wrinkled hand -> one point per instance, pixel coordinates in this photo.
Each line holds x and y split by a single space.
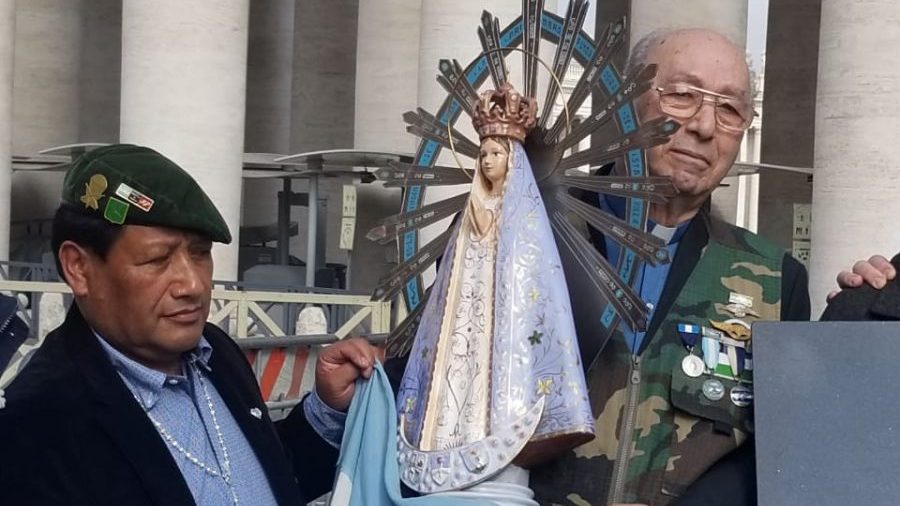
876 272
338 367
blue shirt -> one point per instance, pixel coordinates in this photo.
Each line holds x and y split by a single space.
179 404
650 279
327 422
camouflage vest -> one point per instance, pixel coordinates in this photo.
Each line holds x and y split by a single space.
673 431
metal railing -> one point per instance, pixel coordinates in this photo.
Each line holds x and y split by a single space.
245 314
263 323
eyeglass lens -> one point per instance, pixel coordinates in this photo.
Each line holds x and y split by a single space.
683 103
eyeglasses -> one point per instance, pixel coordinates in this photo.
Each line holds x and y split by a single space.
683 101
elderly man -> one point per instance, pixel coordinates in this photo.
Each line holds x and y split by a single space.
135 399
668 416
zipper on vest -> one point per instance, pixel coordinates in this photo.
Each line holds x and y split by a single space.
623 456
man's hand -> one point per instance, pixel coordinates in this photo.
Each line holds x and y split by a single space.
876 272
338 367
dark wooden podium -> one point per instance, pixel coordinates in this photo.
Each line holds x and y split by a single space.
827 404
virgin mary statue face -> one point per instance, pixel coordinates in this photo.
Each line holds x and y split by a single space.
494 162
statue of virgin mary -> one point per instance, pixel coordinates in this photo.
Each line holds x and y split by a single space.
494 383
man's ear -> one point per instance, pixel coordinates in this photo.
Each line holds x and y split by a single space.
76 265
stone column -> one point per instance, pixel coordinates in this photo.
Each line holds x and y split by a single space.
449 30
7 43
322 109
324 74
788 136
610 11
387 53
728 17
184 69
100 75
269 73
45 97
856 150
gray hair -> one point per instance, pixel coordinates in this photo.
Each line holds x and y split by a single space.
639 55
637 58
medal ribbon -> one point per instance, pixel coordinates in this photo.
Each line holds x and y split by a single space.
736 358
710 351
689 334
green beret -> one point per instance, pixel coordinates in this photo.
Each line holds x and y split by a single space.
133 185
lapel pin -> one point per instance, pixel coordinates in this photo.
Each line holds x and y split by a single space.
93 191
256 413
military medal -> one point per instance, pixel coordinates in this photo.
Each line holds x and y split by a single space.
740 305
736 357
692 365
741 396
710 346
733 328
713 389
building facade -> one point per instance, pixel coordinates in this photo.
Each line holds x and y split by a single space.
206 82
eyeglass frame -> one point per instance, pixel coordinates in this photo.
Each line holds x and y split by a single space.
713 98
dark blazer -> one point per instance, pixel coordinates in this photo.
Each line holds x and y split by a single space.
13 331
865 303
72 434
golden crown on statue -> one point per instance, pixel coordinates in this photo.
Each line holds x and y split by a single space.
504 113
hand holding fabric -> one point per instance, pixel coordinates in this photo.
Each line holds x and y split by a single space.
338 367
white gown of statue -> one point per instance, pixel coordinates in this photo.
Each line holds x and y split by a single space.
462 399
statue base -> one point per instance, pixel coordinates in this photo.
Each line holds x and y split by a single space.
508 488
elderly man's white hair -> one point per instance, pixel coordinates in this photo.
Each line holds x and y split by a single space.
641 51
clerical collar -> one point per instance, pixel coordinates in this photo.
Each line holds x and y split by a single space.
665 233
617 206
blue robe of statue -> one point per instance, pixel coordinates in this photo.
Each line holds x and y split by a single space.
495 370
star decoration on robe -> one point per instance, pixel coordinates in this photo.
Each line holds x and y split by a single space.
534 294
535 339
575 388
543 385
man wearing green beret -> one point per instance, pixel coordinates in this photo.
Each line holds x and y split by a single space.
135 399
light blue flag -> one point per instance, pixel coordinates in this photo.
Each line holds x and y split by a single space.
368 473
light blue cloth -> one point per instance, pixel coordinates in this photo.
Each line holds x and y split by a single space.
180 406
368 473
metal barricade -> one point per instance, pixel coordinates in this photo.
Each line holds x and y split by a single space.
263 323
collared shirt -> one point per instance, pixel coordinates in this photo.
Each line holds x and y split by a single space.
182 408
326 421
650 279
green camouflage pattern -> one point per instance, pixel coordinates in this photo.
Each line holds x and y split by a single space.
676 432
